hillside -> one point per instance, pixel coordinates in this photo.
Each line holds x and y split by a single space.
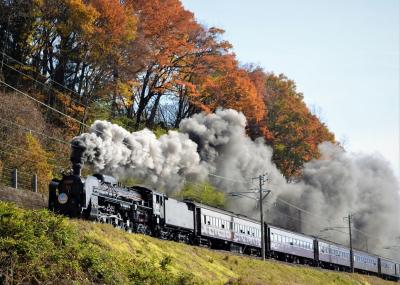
37 247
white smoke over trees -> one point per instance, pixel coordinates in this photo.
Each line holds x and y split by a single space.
211 146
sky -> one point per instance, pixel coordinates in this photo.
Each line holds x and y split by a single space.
342 54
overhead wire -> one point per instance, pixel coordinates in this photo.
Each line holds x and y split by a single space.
27 159
35 132
47 78
27 151
45 85
44 104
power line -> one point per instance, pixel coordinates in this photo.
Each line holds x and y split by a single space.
19 172
44 104
226 178
27 159
27 151
47 78
34 131
44 85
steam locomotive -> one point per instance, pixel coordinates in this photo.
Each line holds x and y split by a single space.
142 210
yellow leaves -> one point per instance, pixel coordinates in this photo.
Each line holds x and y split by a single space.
34 159
125 91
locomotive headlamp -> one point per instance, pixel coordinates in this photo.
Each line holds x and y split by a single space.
62 198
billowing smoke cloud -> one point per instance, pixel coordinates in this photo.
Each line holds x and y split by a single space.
211 145
164 163
341 183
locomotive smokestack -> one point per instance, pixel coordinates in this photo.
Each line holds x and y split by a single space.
77 150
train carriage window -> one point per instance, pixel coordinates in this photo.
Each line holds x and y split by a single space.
204 219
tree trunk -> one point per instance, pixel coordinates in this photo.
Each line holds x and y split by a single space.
150 120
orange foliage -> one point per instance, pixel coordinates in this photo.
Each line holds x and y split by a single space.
115 25
230 86
296 132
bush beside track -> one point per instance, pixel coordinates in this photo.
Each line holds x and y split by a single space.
38 247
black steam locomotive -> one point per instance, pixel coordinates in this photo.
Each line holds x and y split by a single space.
142 210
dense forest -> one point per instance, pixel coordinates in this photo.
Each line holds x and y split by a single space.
66 63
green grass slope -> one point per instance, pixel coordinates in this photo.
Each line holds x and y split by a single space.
37 247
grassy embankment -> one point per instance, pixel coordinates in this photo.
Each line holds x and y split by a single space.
37 247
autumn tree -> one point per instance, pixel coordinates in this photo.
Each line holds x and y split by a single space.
295 131
76 47
228 85
168 46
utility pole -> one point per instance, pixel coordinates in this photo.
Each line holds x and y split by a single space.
349 217
262 179
261 182
249 194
